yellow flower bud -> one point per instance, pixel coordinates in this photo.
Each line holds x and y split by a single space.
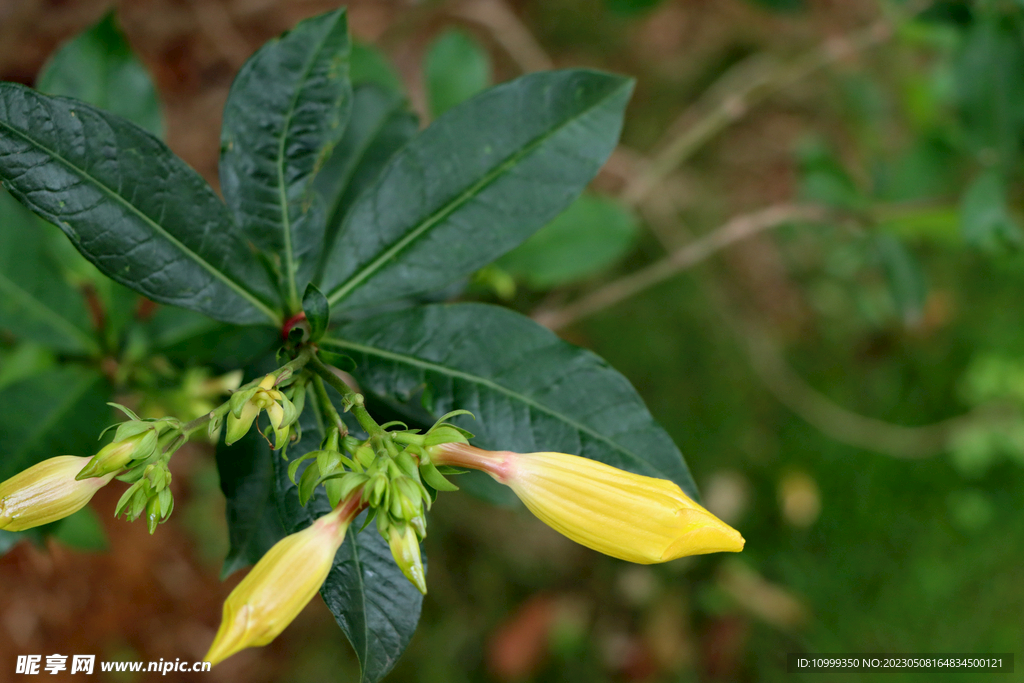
46 492
281 584
632 517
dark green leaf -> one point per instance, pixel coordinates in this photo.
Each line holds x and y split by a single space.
479 181
587 237
372 601
36 303
98 67
380 125
138 212
374 604
193 339
247 480
906 278
529 390
456 68
318 312
58 412
287 108
116 302
369 65
985 219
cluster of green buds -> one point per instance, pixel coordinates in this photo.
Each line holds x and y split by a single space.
135 440
281 394
150 494
138 454
391 473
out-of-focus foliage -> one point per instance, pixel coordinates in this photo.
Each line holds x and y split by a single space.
587 238
904 306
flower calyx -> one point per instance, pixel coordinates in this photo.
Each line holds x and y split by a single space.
135 440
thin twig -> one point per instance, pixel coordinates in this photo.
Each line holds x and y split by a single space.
734 230
759 78
839 423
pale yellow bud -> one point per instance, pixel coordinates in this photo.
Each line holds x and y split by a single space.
46 492
281 584
632 517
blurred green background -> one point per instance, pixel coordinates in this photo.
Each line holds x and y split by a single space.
805 256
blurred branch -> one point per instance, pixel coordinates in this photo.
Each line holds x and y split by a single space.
734 230
727 101
746 84
841 424
507 30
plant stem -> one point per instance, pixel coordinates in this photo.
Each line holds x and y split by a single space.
353 399
219 411
736 229
330 413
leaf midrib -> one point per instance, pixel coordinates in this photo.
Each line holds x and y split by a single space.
451 207
241 291
483 381
53 319
282 191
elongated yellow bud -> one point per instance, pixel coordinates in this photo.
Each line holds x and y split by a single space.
632 517
281 584
46 492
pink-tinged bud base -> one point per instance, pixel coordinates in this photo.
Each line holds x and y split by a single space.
281 584
46 492
632 517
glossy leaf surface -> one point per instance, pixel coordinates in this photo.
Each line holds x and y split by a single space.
529 390
287 108
132 207
477 182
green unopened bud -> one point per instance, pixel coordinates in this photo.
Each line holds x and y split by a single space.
116 455
408 494
153 514
407 464
378 488
364 455
405 547
239 425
